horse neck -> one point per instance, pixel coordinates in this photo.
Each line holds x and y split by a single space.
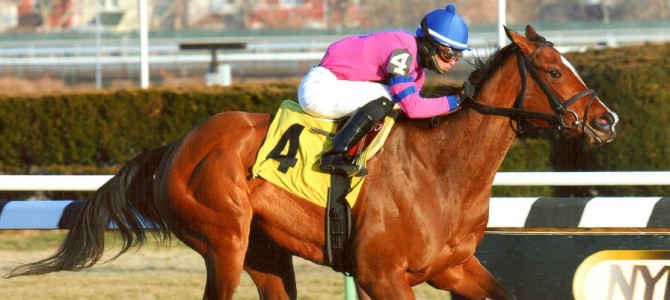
469 147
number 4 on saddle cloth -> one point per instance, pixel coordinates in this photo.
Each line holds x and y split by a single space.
291 153
290 158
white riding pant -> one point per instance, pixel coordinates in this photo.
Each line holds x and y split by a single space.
322 95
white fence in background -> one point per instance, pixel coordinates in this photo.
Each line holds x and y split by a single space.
642 178
274 48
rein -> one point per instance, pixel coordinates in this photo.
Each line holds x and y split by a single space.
519 114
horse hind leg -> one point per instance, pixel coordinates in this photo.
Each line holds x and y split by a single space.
223 256
270 267
471 281
220 236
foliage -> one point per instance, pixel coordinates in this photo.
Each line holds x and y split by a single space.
526 154
633 81
104 129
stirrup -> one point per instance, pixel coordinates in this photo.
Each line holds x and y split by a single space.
335 163
348 170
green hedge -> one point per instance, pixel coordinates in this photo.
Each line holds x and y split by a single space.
634 82
105 129
93 133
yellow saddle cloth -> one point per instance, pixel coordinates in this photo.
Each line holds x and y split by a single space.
291 153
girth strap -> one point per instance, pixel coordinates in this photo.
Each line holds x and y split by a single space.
338 225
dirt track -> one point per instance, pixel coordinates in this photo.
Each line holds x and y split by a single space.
156 272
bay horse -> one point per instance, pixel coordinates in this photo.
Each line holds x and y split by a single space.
420 215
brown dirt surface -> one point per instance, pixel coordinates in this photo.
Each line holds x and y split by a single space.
153 272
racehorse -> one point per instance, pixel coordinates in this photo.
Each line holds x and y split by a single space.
420 214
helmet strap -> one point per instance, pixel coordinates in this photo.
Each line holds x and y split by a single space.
428 48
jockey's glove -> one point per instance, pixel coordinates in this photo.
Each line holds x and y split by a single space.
467 91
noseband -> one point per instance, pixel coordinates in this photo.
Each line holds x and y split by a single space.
519 114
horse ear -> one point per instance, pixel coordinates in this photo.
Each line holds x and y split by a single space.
519 40
508 32
533 36
531 33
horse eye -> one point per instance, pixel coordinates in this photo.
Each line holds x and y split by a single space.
555 73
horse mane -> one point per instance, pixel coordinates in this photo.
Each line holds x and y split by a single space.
483 70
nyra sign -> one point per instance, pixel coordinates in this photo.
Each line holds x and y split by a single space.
623 275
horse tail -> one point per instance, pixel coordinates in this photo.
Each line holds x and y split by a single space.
126 203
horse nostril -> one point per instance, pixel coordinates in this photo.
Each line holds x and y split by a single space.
604 122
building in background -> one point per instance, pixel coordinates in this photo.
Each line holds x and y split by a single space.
9 15
62 15
166 15
57 43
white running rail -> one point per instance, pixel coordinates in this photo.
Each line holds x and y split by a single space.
641 178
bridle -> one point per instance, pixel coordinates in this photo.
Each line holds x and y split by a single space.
519 114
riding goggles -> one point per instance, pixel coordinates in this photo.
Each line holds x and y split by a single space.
449 54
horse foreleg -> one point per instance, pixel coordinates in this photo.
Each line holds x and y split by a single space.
270 267
390 284
362 295
470 280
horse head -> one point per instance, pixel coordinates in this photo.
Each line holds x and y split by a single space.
568 106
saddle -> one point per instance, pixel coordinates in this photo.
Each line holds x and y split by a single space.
290 157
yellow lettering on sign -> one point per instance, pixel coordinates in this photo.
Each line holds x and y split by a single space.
623 275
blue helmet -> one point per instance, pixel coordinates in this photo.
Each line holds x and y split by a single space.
445 27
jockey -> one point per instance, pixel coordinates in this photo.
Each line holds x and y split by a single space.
363 76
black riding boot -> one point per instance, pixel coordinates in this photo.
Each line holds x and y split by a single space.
336 160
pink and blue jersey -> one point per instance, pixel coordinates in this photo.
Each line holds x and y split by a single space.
388 57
